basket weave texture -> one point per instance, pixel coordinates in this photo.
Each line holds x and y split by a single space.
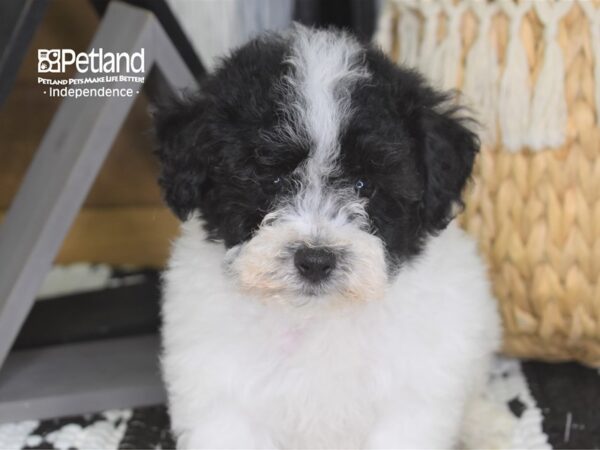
536 214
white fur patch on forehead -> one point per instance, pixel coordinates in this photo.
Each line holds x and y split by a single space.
326 64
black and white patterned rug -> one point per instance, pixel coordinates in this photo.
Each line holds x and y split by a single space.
555 405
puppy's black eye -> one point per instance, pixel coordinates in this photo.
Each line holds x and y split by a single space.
273 185
363 188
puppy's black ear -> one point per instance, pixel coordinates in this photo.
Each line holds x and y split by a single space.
183 175
450 148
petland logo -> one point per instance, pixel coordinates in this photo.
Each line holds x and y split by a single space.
97 61
100 73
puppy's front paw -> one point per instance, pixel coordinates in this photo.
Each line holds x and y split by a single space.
225 430
488 425
403 432
233 438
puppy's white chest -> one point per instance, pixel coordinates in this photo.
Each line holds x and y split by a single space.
321 381
327 379
291 341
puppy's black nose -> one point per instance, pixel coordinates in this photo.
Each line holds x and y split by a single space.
314 264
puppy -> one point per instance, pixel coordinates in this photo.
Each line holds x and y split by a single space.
319 295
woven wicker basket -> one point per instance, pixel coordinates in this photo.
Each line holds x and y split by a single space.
536 214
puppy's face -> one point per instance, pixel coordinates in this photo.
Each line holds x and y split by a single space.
321 165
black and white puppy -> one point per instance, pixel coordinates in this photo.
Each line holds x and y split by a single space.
319 296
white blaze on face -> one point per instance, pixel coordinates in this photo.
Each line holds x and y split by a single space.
325 68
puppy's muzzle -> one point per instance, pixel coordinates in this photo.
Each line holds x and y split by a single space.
315 264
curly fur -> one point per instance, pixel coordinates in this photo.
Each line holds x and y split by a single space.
307 140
